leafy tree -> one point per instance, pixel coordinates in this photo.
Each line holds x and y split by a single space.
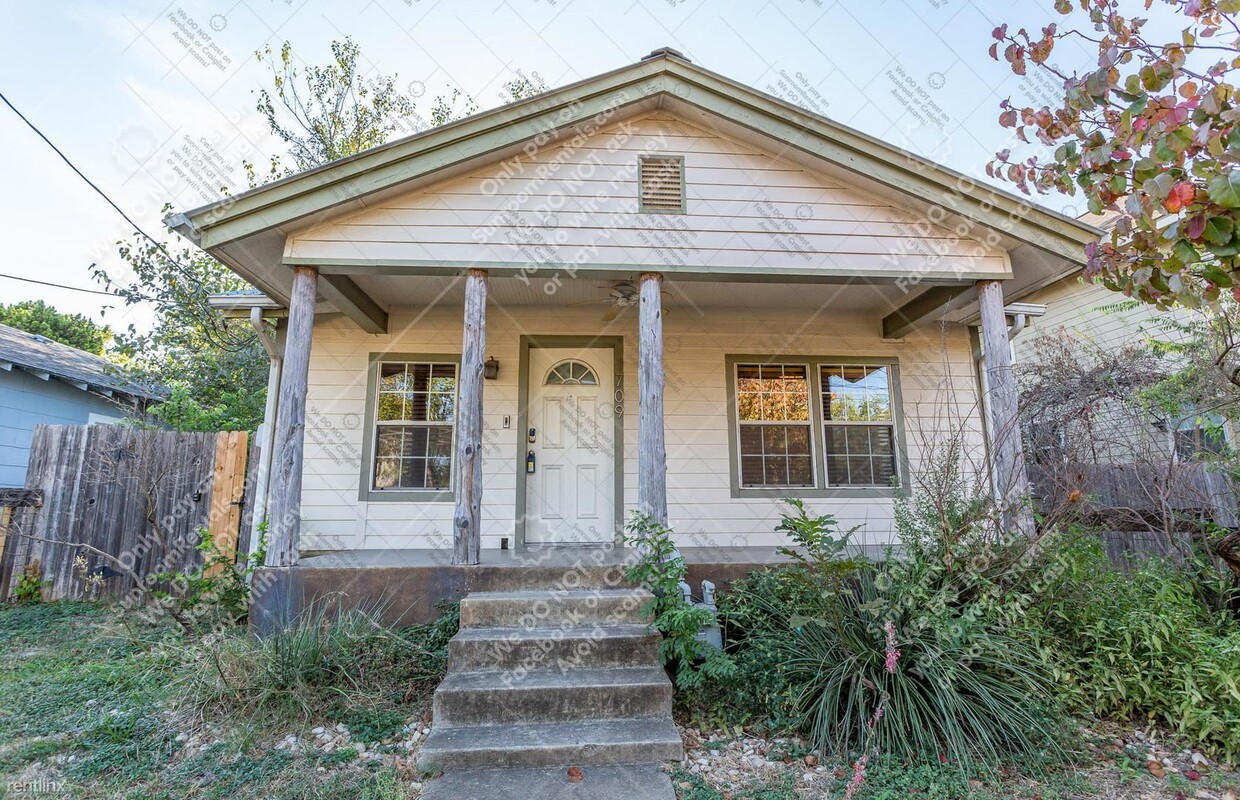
215 368
1149 137
75 330
523 86
326 113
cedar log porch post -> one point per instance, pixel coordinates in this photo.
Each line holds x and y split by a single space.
651 447
284 511
1007 455
467 534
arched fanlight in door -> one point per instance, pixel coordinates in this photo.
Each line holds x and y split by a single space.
571 373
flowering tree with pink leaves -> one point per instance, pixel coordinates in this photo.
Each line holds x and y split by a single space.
1149 136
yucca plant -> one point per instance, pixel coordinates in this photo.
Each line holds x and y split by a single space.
956 689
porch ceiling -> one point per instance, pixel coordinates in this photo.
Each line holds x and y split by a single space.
585 291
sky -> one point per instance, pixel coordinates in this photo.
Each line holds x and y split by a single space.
155 102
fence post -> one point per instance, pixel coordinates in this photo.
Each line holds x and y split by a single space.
227 493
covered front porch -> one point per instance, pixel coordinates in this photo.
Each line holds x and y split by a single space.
667 432
655 291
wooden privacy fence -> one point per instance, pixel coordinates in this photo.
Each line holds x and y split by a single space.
1140 510
139 495
1136 496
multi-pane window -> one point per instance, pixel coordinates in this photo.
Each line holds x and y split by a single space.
859 434
777 411
773 418
414 421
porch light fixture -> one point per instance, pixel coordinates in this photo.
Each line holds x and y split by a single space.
490 370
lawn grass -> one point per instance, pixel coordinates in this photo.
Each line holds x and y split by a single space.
85 700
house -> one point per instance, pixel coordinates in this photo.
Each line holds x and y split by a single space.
656 289
46 382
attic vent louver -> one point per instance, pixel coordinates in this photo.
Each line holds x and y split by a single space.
662 184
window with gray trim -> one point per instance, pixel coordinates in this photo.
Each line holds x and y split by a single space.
825 425
859 432
415 421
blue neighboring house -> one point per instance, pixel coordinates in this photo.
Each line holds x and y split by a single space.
46 382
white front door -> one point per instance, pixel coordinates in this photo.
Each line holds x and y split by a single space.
570 495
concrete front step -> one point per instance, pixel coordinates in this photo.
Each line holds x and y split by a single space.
640 782
546 609
594 742
566 576
548 695
479 649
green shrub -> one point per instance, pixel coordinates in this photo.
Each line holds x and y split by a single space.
1142 645
661 569
818 662
30 583
217 592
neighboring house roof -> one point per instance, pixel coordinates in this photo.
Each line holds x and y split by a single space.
243 299
47 359
248 231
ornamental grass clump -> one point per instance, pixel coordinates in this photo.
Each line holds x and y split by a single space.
326 659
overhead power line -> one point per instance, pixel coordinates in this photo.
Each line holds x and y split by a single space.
56 285
158 245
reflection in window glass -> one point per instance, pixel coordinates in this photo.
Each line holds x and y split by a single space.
773 434
1200 438
859 433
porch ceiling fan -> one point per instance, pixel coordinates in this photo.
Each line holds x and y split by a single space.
622 295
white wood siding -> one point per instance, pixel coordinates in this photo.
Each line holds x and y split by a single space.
575 202
1077 308
936 372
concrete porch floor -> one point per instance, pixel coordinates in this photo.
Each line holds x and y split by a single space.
405 587
534 556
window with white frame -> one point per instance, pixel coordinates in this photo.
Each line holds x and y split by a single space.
415 420
815 424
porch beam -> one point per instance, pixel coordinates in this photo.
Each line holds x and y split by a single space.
651 445
284 520
930 304
1007 456
824 274
467 535
344 293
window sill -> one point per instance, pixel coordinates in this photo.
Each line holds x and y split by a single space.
842 492
405 496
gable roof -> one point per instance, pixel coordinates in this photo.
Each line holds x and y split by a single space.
247 231
48 359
